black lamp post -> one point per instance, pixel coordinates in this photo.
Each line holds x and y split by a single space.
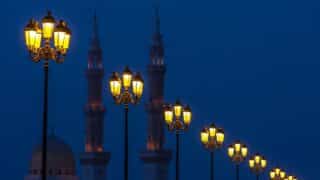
178 119
48 42
237 153
212 138
125 96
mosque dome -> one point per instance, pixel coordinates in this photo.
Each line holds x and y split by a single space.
60 159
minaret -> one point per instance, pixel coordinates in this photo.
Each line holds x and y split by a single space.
155 158
94 160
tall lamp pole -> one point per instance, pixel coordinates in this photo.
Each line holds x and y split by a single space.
257 164
130 94
48 42
178 119
237 153
212 138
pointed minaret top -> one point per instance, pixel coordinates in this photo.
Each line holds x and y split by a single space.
95 42
157 50
157 17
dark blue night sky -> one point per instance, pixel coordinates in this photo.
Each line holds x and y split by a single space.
251 66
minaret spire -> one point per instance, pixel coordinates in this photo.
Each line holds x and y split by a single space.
95 159
157 50
95 42
156 158
157 17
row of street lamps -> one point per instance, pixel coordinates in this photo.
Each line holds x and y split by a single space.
212 138
51 42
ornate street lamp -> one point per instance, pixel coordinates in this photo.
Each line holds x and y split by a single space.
291 178
212 138
130 94
257 164
48 42
237 153
277 174
178 119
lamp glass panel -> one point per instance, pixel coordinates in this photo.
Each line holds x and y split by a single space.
251 163
168 116
244 151
126 79
30 38
257 159
187 115
220 138
47 29
263 163
212 131
230 151
177 110
137 88
237 147
37 43
115 87
272 175
66 42
59 38
204 137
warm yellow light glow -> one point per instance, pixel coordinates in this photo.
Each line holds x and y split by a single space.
37 43
244 151
272 175
290 178
115 85
137 85
126 77
212 130
277 171
257 159
263 163
230 151
66 42
251 163
168 114
48 23
187 115
59 35
237 147
30 33
220 137
282 174
177 109
204 135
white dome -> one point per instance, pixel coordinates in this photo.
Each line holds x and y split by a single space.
60 159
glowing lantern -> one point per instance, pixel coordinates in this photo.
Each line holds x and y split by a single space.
115 85
48 23
126 77
187 115
137 85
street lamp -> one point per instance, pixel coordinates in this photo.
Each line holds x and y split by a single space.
48 42
130 93
257 164
277 174
237 153
178 119
212 138
291 178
